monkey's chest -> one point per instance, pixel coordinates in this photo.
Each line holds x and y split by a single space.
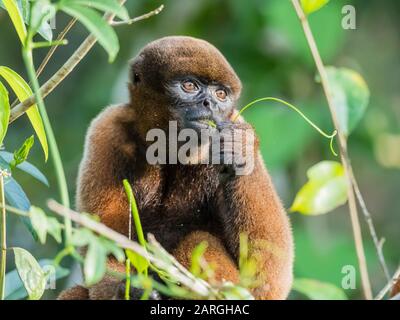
184 202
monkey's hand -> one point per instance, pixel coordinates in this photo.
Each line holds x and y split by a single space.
238 148
134 293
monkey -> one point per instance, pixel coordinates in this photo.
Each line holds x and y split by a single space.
187 80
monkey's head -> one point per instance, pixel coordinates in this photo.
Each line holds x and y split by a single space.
183 79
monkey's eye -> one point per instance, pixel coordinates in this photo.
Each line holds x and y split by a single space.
221 94
189 86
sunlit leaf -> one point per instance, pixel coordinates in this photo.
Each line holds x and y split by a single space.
140 263
16 18
30 272
4 112
14 287
317 290
310 6
325 190
93 21
350 96
104 5
197 255
26 167
235 292
23 91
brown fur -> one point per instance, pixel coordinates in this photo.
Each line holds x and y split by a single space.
182 205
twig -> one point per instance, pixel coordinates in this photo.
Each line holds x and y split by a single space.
198 286
139 18
343 151
50 53
62 73
367 215
389 285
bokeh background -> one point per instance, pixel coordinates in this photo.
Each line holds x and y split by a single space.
264 42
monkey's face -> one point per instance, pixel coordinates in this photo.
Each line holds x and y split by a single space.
199 104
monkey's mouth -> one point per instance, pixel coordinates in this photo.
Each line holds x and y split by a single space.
202 123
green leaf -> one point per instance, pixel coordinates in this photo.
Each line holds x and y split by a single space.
103 5
39 222
23 91
44 29
54 228
197 255
15 195
140 263
93 21
350 95
16 18
325 190
40 14
4 112
310 6
30 272
317 290
14 287
26 167
95 263
22 153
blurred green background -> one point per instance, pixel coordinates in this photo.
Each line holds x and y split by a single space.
264 42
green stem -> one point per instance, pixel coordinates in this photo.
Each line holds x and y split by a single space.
128 279
3 245
55 153
328 136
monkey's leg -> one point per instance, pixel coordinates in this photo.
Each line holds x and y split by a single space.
74 293
225 268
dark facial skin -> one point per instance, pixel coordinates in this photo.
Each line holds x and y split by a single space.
196 102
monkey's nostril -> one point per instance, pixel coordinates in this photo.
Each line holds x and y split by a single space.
206 103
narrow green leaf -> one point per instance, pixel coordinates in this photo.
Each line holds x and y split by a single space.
325 190
317 290
350 96
197 255
26 167
310 6
4 112
23 91
103 5
93 21
30 272
16 18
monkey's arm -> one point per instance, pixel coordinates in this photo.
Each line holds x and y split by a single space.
249 204
100 189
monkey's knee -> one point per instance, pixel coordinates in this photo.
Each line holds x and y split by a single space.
74 293
224 267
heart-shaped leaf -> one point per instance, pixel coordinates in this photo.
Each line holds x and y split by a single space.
350 95
317 290
15 289
325 190
30 272
310 6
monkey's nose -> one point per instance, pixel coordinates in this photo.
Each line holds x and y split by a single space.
206 103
